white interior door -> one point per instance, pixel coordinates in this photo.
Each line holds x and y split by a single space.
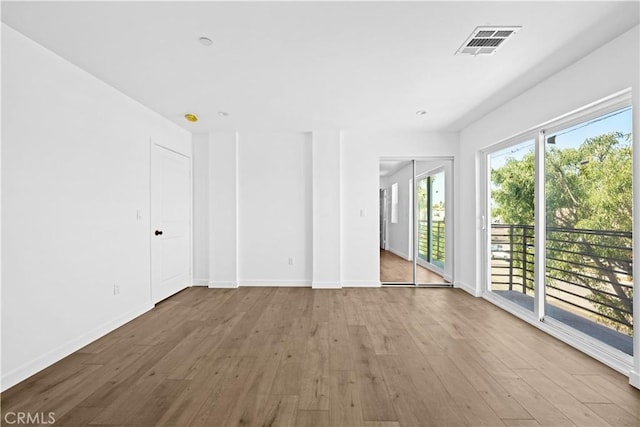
170 222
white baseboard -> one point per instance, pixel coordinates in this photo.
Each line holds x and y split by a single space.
634 379
400 254
200 282
467 288
12 378
277 283
215 284
325 285
448 278
361 284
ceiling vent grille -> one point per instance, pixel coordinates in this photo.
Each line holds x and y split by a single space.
486 40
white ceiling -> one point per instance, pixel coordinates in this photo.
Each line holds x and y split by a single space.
298 66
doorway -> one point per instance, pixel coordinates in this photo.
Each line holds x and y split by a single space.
415 201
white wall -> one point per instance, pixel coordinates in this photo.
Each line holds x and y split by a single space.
201 209
260 209
223 209
327 233
75 171
361 153
274 209
607 70
313 197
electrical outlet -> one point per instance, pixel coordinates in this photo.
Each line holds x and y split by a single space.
292 260
116 289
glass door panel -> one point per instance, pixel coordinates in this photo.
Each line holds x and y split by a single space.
588 192
436 219
423 218
511 221
431 189
431 212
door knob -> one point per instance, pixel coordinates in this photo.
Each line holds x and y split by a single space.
158 232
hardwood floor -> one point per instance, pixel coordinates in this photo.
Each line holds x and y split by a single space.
394 269
350 357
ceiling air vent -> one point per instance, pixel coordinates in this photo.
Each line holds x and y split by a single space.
486 40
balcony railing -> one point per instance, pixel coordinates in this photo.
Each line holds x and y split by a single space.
588 272
436 241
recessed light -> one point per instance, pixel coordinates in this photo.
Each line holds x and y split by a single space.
191 117
205 41
223 113
421 112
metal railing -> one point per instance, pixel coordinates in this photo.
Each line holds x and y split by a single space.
589 270
431 247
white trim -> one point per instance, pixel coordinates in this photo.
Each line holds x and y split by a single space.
28 369
276 283
467 288
200 282
611 357
447 278
221 284
236 195
634 375
361 284
325 285
191 213
484 192
634 379
611 103
540 237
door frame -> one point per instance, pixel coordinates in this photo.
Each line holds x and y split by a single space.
189 156
613 358
414 228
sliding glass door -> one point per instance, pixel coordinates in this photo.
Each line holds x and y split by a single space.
512 219
588 202
566 187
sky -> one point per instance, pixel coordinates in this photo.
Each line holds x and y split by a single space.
618 121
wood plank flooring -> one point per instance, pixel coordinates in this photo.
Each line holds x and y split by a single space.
394 269
351 357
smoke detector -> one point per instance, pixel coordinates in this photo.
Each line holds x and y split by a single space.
486 40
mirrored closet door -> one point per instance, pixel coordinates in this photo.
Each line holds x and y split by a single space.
415 208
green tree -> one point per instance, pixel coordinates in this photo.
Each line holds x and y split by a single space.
587 188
